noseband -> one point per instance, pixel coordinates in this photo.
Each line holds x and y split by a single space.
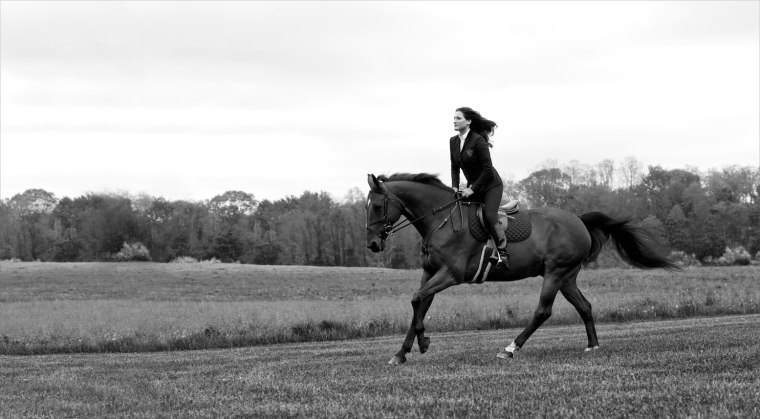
388 227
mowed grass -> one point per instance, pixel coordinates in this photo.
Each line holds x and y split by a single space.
701 367
128 307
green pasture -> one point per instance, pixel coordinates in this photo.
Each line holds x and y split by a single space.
697 367
127 307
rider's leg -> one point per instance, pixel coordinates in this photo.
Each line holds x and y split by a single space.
491 201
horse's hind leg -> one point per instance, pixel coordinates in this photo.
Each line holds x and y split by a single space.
575 297
553 281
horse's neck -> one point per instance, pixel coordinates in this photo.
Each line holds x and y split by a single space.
421 200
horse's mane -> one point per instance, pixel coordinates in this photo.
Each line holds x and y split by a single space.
425 178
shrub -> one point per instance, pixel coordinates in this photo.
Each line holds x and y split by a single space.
741 256
184 259
130 252
684 259
735 256
190 259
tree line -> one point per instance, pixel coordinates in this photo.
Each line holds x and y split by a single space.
693 212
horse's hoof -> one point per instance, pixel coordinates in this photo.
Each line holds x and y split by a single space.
591 348
424 344
509 351
397 360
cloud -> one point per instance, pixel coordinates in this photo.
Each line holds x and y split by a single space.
342 89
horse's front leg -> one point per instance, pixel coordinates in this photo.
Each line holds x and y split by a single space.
421 302
423 342
406 347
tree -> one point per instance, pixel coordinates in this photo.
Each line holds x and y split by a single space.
232 205
266 253
33 201
584 198
227 247
354 195
32 209
694 213
630 172
705 239
664 188
319 208
547 164
67 248
606 172
546 187
293 238
656 227
9 231
157 218
753 231
191 230
676 226
734 184
579 173
511 190
695 201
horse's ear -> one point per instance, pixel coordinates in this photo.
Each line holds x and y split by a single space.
374 184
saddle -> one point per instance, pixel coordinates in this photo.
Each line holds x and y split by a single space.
518 223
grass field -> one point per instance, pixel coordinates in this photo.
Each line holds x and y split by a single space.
126 307
699 367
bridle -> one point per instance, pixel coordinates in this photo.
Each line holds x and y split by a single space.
389 229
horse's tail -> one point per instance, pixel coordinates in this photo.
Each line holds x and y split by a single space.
634 244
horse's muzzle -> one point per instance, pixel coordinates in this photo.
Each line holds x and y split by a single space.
376 245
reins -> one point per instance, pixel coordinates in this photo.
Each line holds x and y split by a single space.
390 230
407 223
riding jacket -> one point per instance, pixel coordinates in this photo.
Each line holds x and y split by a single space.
475 161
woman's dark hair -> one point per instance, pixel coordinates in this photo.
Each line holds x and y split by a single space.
478 124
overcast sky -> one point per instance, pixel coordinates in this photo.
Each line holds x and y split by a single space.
187 100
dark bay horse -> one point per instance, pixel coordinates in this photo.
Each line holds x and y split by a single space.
559 244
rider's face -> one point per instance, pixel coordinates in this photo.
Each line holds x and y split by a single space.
460 123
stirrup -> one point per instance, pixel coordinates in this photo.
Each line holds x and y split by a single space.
503 260
500 260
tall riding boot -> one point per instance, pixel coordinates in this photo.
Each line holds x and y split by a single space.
500 239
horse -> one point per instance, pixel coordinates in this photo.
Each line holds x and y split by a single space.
559 245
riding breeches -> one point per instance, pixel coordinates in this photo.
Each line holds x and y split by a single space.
491 199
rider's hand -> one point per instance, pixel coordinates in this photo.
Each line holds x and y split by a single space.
467 192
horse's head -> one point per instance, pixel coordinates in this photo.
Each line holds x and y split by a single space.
383 210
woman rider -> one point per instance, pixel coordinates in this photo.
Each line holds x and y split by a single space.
470 153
